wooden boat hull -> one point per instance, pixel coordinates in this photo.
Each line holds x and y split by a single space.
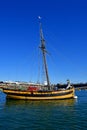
39 95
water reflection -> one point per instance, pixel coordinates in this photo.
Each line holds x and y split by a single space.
68 102
2 100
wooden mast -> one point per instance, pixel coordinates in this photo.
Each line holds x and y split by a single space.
43 48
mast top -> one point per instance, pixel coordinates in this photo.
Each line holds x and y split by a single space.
39 17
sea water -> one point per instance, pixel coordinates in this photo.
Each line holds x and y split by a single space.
68 114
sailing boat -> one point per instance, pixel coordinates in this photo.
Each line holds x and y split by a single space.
40 92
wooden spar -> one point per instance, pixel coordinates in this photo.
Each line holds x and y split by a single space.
43 48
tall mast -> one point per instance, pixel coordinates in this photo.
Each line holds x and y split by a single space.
43 49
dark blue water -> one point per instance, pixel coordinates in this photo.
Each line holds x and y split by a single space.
44 115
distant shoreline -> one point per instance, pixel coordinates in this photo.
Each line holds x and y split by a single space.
77 86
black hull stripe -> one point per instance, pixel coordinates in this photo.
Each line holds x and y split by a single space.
41 95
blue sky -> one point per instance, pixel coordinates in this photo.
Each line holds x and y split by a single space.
64 25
